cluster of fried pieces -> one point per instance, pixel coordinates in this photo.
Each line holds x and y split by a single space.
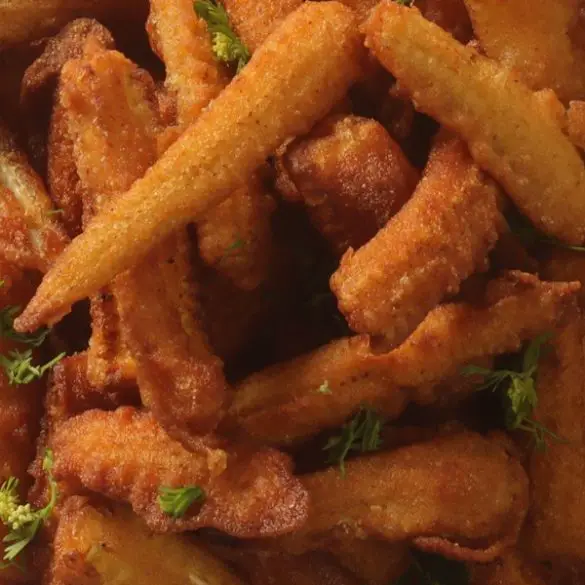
300 275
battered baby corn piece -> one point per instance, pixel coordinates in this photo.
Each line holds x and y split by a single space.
112 545
352 177
533 39
249 492
30 235
279 94
146 325
508 131
440 237
286 402
460 495
254 21
113 126
195 77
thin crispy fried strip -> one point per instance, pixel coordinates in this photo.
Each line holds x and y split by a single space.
113 126
114 545
151 311
503 123
26 204
278 94
440 237
351 176
461 495
250 493
37 96
542 53
282 403
195 77
255 21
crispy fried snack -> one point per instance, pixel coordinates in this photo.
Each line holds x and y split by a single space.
565 265
235 235
111 545
439 238
249 492
37 98
29 20
146 324
29 235
352 177
277 95
282 403
261 567
510 569
508 130
576 123
533 39
255 21
112 119
461 495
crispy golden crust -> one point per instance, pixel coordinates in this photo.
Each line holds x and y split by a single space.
278 94
461 495
439 238
254 21
112 545
182 41
565 265
31 237
37 96
181 381
576 123
112 123
195 78
29 20
542 54
250 493
282 403
510 569
508 131
351 176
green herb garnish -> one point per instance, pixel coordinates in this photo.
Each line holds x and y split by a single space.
176 501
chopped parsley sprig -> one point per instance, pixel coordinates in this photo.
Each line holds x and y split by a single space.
520 391
362 433
176 501
22 520
227 46
19 368
7 316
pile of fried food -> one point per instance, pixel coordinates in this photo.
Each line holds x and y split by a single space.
290 292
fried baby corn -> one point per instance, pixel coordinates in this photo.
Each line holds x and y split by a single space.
461 495
542 52
112 545
508 131
277 95
352 177
30 236
249 492
440 237
195 77
282 403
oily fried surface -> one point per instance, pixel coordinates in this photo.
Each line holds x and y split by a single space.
576 123
565 265
217 154
511 569
254 21
509 132
111 544
32 236
250 493
461 495
439 238
181 381
352 177
282 403
39 83
533 39
29 20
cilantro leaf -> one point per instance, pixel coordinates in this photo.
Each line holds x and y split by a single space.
176 501
7 316
19 368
